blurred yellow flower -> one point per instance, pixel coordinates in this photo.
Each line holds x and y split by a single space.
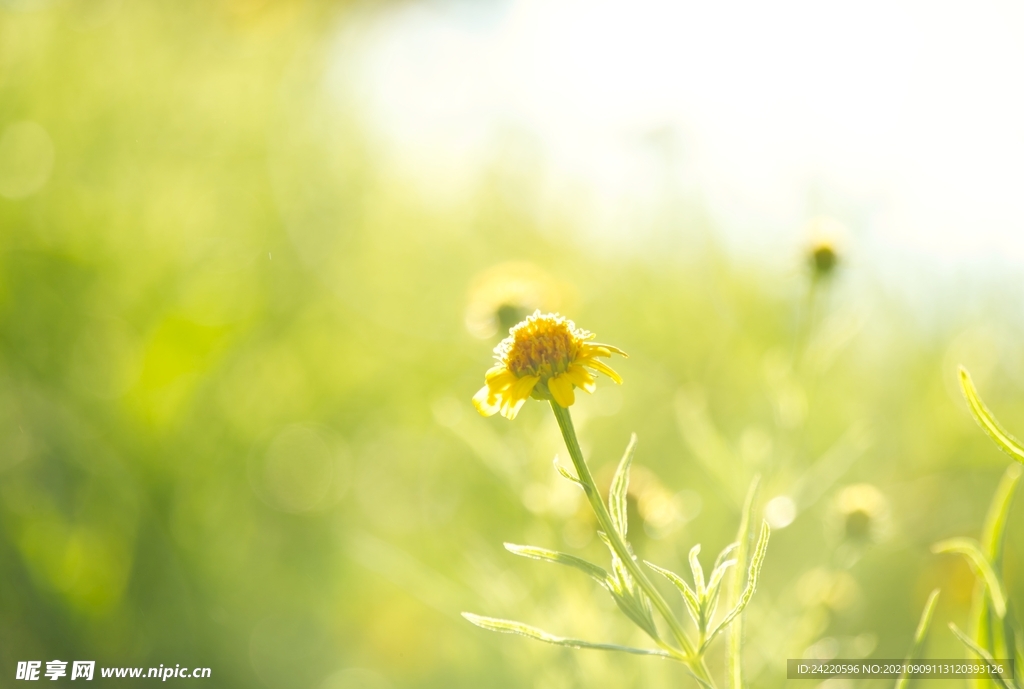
823 250
862 513
505 294
546 357
823 257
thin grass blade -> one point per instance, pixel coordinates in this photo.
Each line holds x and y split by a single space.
1006 442
1018 651
998 512
919 636
987 631
1010 639
978 651
969 549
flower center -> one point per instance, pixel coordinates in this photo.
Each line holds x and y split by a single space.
542 345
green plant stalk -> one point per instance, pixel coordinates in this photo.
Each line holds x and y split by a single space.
735 661
604 520
806 323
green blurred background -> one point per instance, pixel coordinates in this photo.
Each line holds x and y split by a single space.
236 358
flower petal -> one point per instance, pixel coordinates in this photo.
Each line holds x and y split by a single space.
509 410
603 368
581 378
515 396
495 371
501 380
560 388
522 388
592 349
486 402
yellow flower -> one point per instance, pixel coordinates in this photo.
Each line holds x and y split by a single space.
545 357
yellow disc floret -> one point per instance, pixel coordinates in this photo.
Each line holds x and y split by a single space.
545 357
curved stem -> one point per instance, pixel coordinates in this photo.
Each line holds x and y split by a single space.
604 520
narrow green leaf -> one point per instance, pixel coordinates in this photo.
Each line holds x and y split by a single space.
1006 442
718 574
998 511
510 627
634 605
990 550
978 651
565 473
969 549
711 595
722 556
620 577
630 599
689 596
697 571
619 570
597 573
982 629
986 630
619 489
603 537
748 591
924 623
1018 649
919 635
699 681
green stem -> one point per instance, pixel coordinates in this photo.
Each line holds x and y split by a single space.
604 520
806 323
735 660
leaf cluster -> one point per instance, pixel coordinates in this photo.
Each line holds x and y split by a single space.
701 599
995 631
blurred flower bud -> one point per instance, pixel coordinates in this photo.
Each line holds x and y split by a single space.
823 258
861 514
503 295
823 252
661 511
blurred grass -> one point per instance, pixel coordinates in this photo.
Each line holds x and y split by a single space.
234 384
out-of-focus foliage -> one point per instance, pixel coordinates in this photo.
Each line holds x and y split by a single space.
236 357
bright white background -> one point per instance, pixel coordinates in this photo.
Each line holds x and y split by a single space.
902 119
